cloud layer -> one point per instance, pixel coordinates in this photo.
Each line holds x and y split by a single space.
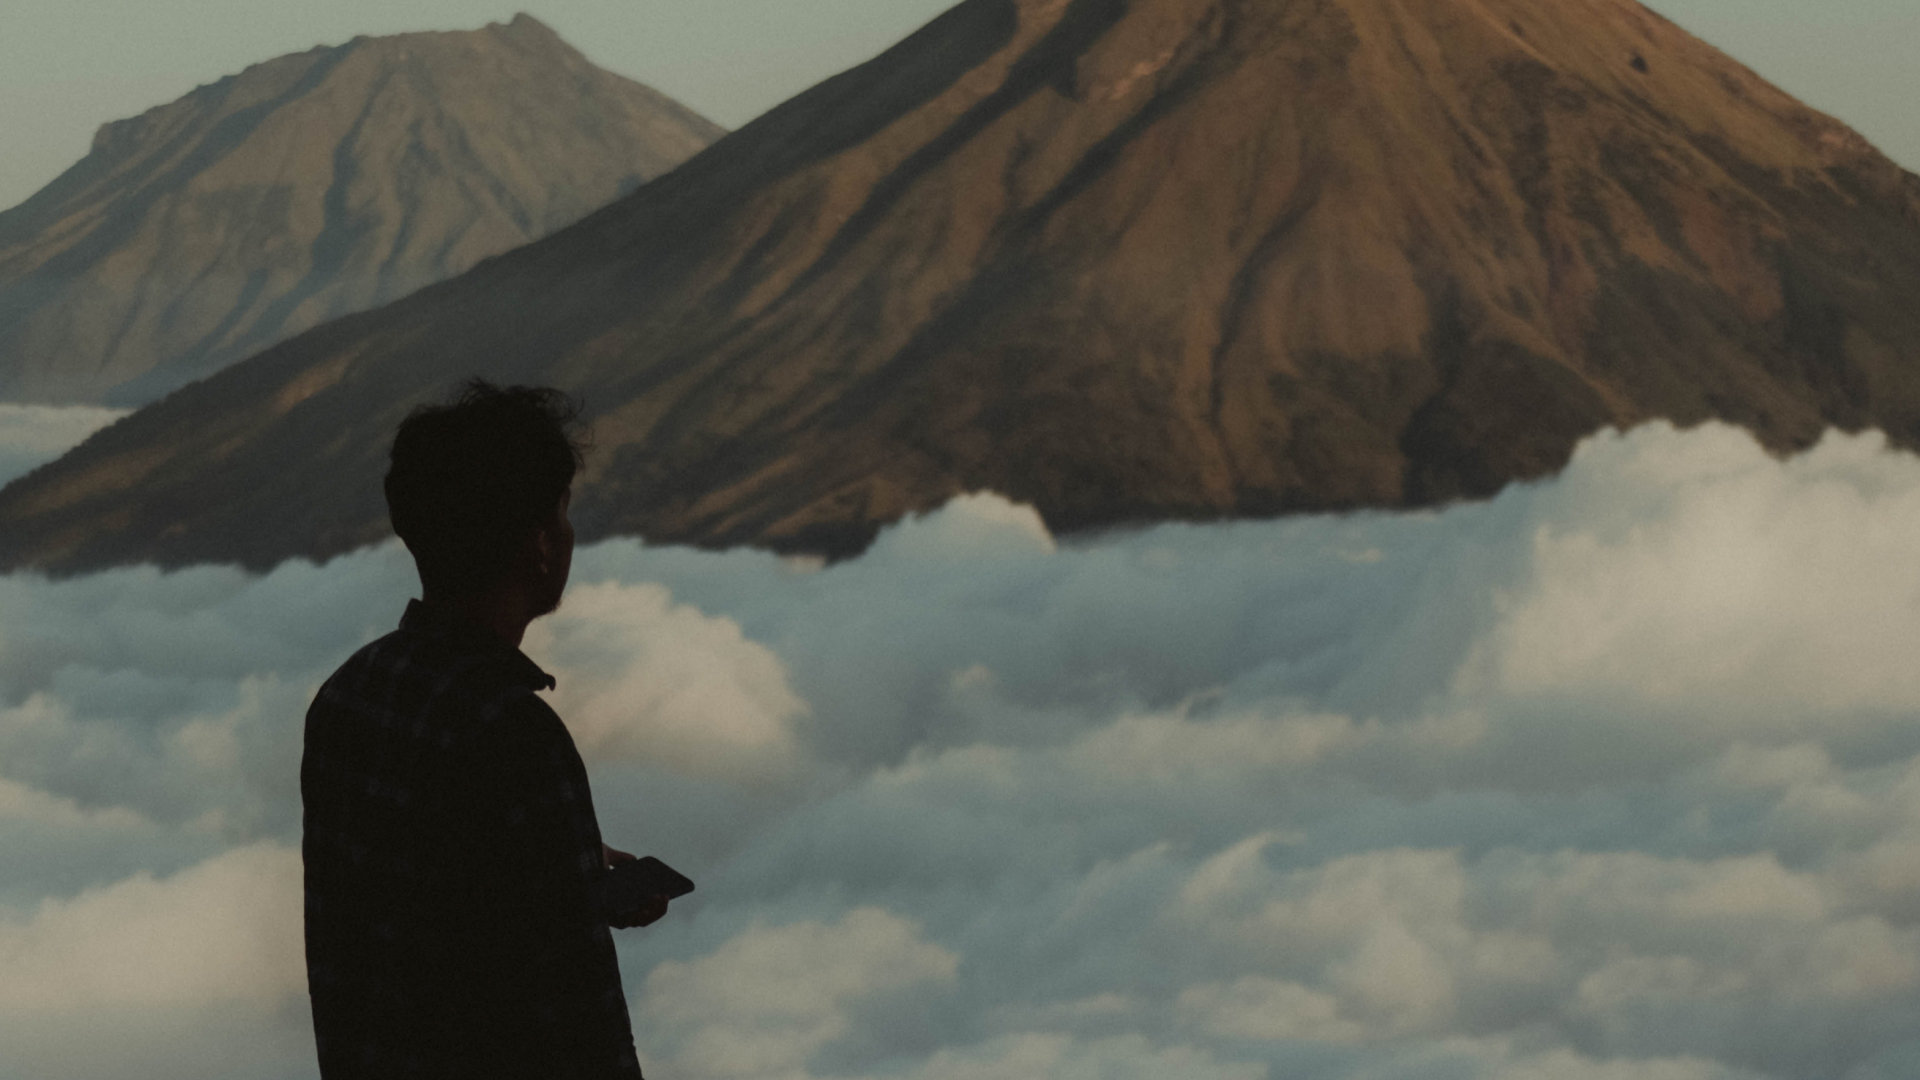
1615 777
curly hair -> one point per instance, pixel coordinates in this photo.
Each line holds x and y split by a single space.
470 480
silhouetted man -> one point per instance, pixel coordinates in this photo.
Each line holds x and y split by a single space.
450 842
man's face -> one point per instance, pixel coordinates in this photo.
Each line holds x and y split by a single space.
558 538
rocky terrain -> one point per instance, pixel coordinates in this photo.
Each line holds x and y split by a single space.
1124 260
306 188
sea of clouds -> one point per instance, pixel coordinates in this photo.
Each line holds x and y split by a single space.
1614 777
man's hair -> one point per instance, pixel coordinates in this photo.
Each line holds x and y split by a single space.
470 480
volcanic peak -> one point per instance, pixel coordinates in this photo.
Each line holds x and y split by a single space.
1125 262
307 187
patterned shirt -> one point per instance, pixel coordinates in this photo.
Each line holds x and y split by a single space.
451 849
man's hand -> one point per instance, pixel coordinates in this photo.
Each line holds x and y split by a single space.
646 914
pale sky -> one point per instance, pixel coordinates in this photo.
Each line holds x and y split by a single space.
67 66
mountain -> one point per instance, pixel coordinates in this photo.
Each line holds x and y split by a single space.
308 187
1124 261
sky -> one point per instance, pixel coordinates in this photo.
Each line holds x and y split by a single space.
1613 777
32 435
67 66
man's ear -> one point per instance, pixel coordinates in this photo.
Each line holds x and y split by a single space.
541 547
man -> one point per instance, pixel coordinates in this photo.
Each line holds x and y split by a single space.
451 847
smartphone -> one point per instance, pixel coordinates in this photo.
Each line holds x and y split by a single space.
630 884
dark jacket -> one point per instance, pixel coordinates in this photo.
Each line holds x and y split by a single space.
450 845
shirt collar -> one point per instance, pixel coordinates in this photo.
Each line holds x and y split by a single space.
466 637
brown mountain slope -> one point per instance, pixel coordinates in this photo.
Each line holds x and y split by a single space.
307 187
1125 261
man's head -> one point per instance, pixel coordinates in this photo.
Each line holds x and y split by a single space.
478 489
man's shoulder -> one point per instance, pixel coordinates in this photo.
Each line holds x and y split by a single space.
418 676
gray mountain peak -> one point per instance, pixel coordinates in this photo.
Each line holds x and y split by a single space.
308 187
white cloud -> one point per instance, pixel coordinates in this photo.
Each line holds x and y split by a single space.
1705 957
24 807
1614 777
227 930
1760 596
968 530
1266 1009
1061 1057
1501 1059
660 683
51 844
1565 1065
767 1001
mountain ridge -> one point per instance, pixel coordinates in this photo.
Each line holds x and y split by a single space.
1124 261
307 186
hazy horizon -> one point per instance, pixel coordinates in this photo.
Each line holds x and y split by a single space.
67 68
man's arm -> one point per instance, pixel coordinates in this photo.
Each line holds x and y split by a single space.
532 790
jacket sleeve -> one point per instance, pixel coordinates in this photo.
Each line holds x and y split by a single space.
540 911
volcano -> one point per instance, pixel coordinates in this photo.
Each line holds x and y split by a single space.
308 187
1124 260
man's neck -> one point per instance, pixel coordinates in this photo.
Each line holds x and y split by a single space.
501 614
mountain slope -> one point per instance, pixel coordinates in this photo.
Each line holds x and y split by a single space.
1125 261
308 187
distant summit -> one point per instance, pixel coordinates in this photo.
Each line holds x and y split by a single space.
306 188
1126 261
